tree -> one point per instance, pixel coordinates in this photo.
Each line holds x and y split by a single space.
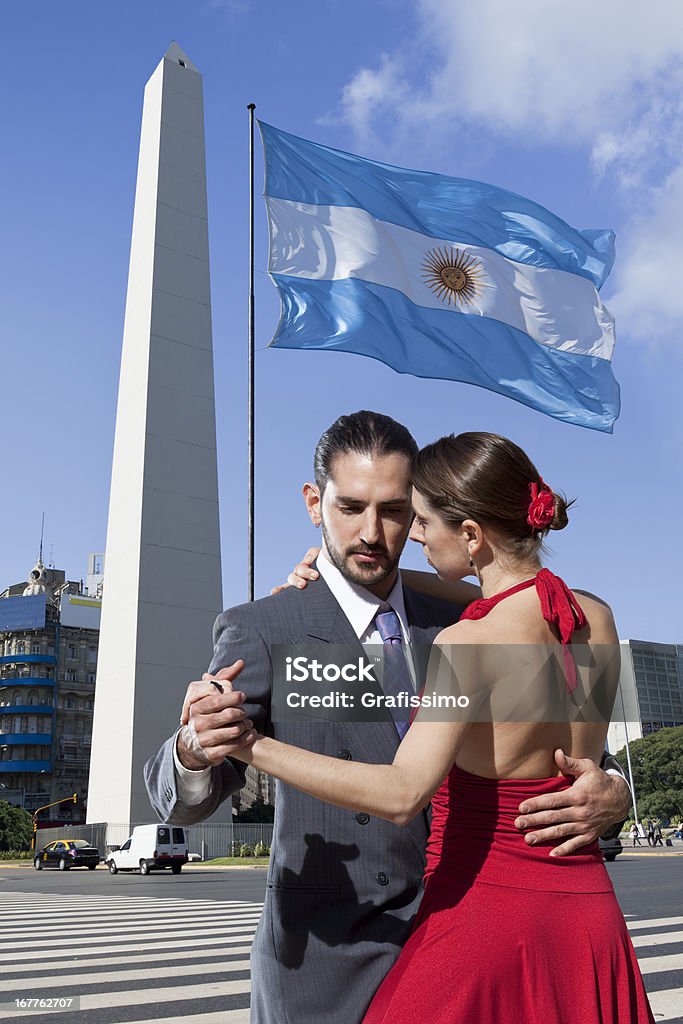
258 812
16 827
657 763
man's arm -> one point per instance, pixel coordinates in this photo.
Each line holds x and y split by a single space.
581 814
611 766
187 784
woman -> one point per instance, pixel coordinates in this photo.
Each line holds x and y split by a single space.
505 931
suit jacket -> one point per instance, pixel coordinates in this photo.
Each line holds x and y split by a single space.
342 887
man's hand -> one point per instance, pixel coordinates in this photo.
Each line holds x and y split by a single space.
214 723
301 573
594 802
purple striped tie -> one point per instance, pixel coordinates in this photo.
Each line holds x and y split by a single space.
396 678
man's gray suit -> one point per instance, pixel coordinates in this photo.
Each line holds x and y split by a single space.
342 887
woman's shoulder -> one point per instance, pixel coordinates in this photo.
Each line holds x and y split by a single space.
596 610
465 631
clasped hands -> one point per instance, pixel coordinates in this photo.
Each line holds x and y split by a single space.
215 726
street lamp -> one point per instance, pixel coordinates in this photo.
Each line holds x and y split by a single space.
16 791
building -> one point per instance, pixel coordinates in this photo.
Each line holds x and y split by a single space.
257 786
650 693
49 640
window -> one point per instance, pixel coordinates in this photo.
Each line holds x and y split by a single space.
35 647
51 647
21 647
70 702
72 652
91 677
70 676
92 653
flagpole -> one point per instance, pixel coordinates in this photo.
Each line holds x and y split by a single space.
251 107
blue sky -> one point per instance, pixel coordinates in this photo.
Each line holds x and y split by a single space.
577 106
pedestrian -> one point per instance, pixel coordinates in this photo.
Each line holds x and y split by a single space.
650 832
658 839
635 835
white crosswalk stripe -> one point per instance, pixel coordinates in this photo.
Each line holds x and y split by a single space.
129 960
662 971
147 960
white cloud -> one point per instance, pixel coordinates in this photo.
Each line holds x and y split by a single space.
546 67
649 301
603 76
372 93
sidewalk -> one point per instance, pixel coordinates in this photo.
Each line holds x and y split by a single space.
652 851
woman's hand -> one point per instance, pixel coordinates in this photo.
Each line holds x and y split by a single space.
302 572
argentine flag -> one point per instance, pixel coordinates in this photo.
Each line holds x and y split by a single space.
439 277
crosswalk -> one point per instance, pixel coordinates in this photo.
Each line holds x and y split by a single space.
658 943
128 960
149 960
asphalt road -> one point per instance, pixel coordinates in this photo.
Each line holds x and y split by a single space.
194 883
647 884
167 948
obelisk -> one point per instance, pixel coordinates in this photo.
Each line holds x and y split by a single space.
162 584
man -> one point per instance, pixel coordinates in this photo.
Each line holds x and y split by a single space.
342 887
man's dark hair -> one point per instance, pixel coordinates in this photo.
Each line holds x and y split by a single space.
365 433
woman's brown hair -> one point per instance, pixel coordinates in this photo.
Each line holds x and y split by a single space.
485 477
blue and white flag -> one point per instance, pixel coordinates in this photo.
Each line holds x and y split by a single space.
440 277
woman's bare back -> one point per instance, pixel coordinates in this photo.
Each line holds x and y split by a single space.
528 713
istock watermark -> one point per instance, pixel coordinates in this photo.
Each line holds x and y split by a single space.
458 682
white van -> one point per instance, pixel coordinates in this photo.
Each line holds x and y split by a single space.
151 847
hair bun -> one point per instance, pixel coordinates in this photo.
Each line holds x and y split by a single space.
560 517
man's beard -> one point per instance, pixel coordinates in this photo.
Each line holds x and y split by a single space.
356 573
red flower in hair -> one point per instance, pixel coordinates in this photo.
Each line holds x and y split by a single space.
541 506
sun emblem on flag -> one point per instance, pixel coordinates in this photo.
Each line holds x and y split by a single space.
454 276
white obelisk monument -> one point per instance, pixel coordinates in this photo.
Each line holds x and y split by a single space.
162 585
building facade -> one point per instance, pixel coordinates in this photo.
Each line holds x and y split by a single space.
257 786
49 640
650 695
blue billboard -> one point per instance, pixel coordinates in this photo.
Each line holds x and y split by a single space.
18 613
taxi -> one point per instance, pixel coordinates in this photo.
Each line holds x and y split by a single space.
67 853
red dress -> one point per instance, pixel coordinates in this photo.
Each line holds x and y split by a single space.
505 934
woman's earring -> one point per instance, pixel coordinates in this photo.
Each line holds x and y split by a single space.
471 562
